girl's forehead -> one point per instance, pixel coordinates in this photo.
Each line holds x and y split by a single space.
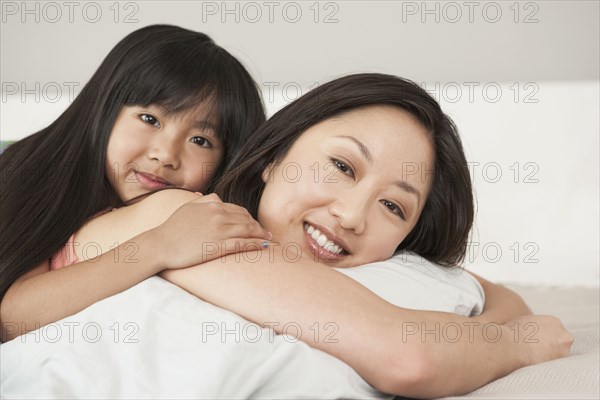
181 102
204 115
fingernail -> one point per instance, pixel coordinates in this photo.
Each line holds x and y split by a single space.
269 235
265 244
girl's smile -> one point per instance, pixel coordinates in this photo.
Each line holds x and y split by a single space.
151 181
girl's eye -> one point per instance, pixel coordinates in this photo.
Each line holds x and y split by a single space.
342 166
394 208
200 141
149 119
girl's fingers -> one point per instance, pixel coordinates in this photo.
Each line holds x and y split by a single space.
235 209
209 198
227 207
251 247
250 229
236 214
227 220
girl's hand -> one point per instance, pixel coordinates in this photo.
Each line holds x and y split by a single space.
539 338
206 228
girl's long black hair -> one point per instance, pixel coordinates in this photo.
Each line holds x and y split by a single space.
54 180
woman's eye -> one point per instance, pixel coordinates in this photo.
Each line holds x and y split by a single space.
200 141
149 119
342 166
394 208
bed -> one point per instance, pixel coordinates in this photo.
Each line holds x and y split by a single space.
573 377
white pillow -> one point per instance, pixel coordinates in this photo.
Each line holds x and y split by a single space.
410 281
155 340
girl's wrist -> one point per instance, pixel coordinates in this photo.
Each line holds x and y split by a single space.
152 249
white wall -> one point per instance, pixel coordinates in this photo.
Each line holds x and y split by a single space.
540 131
305 41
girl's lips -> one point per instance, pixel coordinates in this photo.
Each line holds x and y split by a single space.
151 181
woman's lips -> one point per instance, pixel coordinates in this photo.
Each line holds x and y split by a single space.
151 181
319 252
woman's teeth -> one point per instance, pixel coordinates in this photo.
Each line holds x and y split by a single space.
322 240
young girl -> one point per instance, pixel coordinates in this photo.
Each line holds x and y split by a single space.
166 108
350 173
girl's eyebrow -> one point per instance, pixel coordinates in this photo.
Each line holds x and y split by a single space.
205 125
405 186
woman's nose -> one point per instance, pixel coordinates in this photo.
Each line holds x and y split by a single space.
350 208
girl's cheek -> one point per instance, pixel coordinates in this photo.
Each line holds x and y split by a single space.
209 169
203 176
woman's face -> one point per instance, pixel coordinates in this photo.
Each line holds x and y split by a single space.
149 149
350 188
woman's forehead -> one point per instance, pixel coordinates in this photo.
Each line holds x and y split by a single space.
378 126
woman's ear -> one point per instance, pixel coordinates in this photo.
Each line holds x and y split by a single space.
266 174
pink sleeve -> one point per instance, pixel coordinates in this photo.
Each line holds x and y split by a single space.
64 256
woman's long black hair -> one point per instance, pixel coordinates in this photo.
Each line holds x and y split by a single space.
441 233
54 180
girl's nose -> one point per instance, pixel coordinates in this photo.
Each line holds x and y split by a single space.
165 151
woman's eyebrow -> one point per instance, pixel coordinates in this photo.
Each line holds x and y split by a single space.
405 186
363 149
408 188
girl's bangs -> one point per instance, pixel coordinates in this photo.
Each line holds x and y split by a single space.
177 85
173 99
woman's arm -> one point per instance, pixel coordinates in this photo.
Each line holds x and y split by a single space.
401 351
126 239
501 304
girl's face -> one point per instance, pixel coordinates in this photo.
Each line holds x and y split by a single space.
350 188
149 149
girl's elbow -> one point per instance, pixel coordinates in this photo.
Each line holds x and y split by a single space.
9 329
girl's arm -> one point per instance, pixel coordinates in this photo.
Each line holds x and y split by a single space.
42 296
127 239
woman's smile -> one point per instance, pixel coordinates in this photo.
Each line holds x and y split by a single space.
324 245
